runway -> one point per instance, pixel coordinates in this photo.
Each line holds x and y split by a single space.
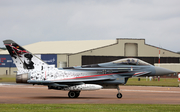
28 94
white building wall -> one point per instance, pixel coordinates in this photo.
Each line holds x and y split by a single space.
9 71
171 66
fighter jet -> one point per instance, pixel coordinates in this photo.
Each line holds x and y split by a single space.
33 70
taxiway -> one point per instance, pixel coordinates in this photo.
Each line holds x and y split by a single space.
28 94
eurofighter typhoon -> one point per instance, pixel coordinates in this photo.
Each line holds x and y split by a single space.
33 70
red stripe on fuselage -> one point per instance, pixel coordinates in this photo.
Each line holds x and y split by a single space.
87 76
139 73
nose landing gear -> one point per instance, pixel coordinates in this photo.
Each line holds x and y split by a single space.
119 95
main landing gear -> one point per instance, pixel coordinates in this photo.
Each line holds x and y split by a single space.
74 94
119 95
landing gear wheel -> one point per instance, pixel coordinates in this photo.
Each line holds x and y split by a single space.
77 94
119 95
73 94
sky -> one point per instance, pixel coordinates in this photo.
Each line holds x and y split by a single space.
31 21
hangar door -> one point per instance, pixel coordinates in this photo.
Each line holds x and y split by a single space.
131 49
86 60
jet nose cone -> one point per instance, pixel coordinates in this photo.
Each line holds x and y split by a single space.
163 71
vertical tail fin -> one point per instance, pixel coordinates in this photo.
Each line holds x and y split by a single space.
23 59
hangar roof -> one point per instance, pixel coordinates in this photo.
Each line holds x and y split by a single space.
1 49
64 47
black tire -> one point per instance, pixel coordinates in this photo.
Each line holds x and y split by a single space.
119 95
72 94
77 94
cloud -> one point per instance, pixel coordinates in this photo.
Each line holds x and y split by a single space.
27 22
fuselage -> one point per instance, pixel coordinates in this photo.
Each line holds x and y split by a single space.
118 73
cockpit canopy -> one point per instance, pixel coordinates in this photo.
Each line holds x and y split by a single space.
131 61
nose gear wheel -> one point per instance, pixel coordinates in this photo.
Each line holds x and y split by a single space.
119 95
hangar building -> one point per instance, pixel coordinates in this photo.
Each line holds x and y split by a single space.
77 53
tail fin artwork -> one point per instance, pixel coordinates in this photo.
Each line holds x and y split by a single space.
26 62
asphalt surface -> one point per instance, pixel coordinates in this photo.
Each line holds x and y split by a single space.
28 94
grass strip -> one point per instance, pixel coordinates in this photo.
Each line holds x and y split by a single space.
7 78
89 108
167 82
